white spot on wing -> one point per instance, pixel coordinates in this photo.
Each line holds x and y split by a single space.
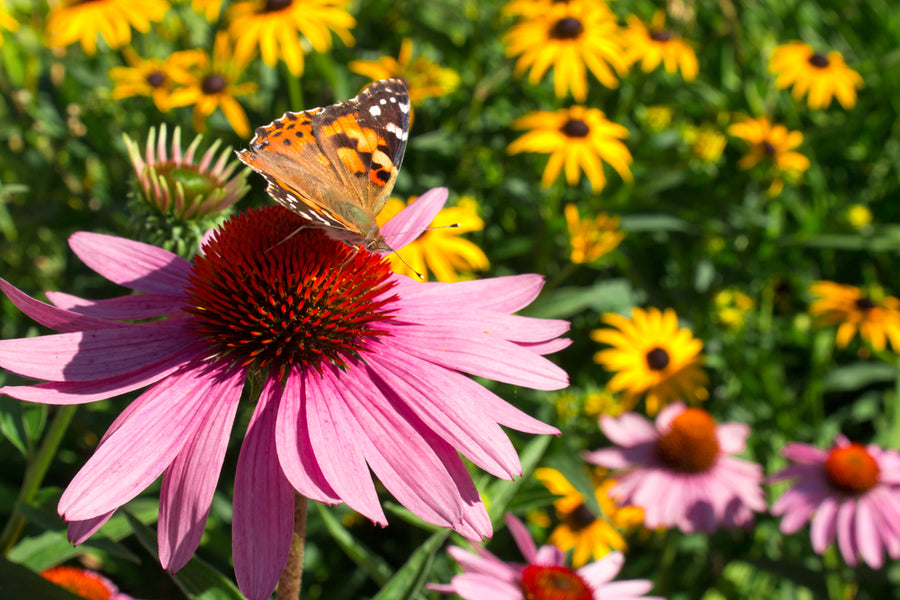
397 131
375 111
404 108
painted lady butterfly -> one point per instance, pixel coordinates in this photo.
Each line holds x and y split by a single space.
336 165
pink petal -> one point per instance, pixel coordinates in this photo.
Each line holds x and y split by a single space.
509 327
483 562
398 454
629 429
51 316
79 531
731 437
845 533
134 306
500 294
550 556
132 264
823 526
263 522
412 221
867 534
523 539
473 586
485 356
435 396
602 571
190 481
142 447
334 436
292 440
93 355
611 458
81 392
804 453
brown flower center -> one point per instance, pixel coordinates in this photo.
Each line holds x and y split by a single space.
156 79
864 303
690 445
276 5
768 148
852 469
553 583
273 292
657 359
660 36
213 84
575 128
580 519
567 28
818 61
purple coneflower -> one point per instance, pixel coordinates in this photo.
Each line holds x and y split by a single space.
851 492
544 576
358 368
681 470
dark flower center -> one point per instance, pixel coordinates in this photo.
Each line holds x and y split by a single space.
213 84
581 518
660 36
276 5
271 293
657 359
575 128
567 28
156 79
864 303
553 583
690 445
852 469
818 61
81 583
768 148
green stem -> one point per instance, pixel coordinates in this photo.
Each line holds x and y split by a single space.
34 475
295 92
289 582
894 407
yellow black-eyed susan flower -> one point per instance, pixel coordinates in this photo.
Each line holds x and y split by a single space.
214 83
822 76
208 8
875 317
773 144
731 306
81 21
591 239
7 23
151 77
424 78
580 530
652 357
276 29
441 251
577 139
573 38
655 44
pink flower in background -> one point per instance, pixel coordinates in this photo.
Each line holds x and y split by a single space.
851 492
359 369
544 576
84 584
680 470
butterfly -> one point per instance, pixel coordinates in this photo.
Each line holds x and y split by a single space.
336 165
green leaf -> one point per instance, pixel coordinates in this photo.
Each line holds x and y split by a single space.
21 422
198 579
410 578
611 295
500 493
374 566
858 375
17 582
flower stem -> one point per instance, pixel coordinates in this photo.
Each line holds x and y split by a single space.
289 582
34 475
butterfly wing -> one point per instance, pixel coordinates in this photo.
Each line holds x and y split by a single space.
336 166
365 138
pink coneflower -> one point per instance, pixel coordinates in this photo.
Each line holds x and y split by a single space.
681 471
84 584
359 369
545 576
850 491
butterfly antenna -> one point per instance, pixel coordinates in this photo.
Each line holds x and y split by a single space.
408 266
451 226
293 233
